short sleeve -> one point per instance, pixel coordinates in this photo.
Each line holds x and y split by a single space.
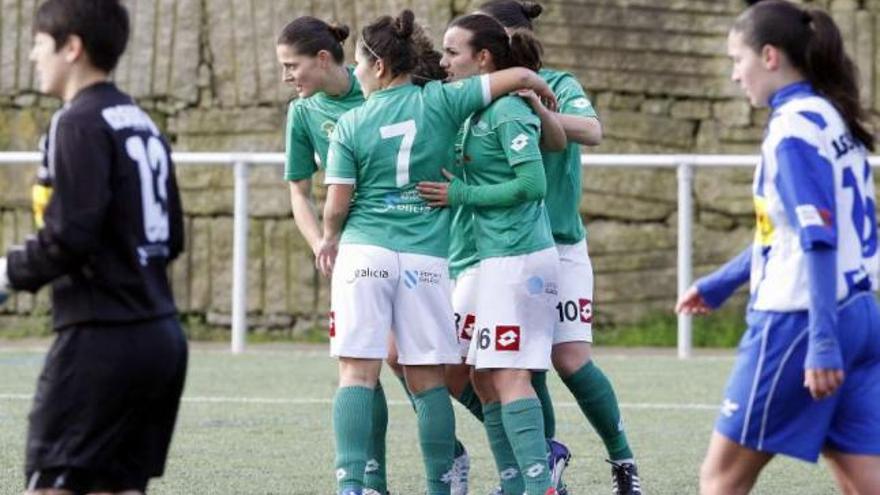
805 181
341 161
299 160
461 98
520 140
572 99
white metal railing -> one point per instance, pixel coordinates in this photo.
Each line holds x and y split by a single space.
241 162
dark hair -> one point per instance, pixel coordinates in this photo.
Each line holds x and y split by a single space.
102 25
402 45
309 35
428 59
519 49
813 45
512 13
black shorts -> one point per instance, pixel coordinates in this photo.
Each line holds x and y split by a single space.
105 406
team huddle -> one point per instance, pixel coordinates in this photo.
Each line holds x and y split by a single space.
451 224
453 238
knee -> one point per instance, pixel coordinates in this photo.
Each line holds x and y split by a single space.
570 357
482 382
359 372
457 378
422 378
714 481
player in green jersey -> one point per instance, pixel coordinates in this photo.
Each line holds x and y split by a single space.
573 339
392 270
312 59
515 282
311 56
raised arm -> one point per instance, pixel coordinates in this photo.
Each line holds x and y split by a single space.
582 130
507 81
553 136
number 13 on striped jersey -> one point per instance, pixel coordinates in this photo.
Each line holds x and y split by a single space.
407 129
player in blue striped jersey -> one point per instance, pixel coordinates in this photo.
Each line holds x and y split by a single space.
807 376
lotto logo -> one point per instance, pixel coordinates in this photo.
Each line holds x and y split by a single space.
581 103
586 311
332 324
507 338
519 142
467 329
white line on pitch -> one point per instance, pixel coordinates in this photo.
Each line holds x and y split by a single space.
312 401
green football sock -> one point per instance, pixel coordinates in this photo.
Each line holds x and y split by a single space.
524 425
539 383
352 425
437 436
375 476
594 394
505 460
469 399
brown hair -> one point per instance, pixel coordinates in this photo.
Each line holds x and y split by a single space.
309 35
519 49
512 13
813 45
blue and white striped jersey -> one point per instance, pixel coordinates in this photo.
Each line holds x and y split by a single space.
813 187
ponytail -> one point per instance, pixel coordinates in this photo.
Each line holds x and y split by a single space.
834 75
526 50
513 14
403 46
427 59
812 43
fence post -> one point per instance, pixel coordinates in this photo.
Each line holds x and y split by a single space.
685 254
239 258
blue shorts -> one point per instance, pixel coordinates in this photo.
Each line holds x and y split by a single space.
766 406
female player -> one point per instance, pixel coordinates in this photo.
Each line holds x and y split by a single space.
515 281
807 375
392 270
312 59
572 342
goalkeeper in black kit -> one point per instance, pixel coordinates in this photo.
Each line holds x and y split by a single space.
108 395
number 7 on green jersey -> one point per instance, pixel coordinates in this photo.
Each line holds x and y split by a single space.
407 129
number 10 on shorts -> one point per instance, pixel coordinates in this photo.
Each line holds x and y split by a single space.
582 310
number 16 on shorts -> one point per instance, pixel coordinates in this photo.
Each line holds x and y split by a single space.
507 338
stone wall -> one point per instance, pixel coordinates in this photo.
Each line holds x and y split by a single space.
205 69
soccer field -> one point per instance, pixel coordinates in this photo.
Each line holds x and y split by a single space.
259 423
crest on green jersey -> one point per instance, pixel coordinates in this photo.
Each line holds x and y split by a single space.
327 127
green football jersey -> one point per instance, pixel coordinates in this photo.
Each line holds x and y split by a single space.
399 137
563 168
505 135
309 124
462 245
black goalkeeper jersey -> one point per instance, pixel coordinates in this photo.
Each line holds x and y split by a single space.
114 220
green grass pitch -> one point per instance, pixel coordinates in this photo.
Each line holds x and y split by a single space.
259 423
